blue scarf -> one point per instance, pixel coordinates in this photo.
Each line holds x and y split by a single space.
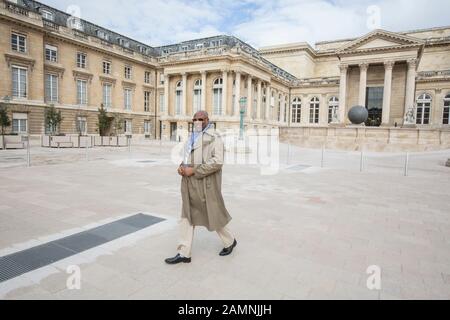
193 139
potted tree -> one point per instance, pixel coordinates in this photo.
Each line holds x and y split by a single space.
4 122
104 122
52 120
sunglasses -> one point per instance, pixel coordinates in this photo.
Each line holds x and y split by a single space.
200 119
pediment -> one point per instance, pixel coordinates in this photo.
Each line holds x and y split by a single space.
380 39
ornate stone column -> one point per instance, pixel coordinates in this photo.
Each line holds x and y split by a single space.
166 94
237 95
203 103
224 92
259 100
268 100
184 100
249 97
343 93
283 99
323 110
388 66
409 114
362 83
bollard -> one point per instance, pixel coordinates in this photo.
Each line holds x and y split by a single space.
86 147
28 152
406 164
323 152
361 165
288 153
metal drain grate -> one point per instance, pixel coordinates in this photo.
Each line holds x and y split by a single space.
16 264
299 167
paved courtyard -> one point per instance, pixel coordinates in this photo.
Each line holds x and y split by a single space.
310 231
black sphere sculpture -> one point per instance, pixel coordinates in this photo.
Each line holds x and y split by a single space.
358 114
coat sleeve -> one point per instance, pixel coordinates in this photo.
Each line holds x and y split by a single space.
214 163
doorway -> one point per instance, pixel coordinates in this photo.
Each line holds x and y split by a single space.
374 104
173 131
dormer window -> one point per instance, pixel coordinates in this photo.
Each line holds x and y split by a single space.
124 43
143 50
75 23
102 35
184 48
48 15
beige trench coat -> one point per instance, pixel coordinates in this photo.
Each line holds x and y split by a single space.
201 193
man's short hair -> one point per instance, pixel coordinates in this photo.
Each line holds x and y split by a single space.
202 112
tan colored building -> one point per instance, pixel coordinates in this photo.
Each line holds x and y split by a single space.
51 58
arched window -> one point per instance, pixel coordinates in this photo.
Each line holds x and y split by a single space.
314 110
217 96
178 97
197 99
296 110
445 119
423 109
333 110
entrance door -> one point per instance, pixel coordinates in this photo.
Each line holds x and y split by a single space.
173 131
374 104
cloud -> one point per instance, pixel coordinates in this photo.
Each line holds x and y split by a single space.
258 22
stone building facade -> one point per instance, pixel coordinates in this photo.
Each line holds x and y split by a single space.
51 58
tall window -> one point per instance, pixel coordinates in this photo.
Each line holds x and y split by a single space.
19 82
82 92
296 110
178 96
146 101
147 127
217 96
127 126
314 110
51 87
279 108
197 101
147 77
162 107
333 109
107 93
51 53
423 109
445 118
81 60
18 42
127 72
127 99
106 67
19 122
82 125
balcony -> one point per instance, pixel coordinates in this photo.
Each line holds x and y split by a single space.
50 25
17 9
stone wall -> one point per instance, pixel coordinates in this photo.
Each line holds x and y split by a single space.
368 138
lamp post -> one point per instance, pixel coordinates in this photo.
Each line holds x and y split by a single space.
243 105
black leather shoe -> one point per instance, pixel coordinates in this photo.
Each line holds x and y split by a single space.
178 259
227 251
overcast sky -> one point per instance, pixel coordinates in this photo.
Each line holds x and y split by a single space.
257 22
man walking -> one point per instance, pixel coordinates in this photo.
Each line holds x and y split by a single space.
201 189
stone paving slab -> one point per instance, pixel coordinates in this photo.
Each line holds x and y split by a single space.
302 234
